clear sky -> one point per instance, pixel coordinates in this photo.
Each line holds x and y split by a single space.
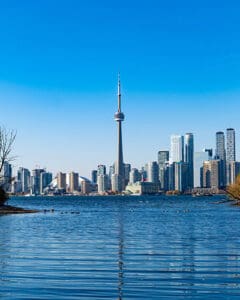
180 72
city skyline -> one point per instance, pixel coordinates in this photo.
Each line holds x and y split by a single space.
180 73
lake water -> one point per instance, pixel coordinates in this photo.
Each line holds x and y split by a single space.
121 248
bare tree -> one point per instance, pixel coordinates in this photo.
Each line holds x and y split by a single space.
7 138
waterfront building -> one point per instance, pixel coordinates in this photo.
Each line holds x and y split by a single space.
181 176
23 177
127 169
45 180
102 182
153 172
119 183
199 158
134 176
35 181
177 148
73 182
101 170
189 159
86 187
231 147
211 176
230 155
6 176
61 181
221 155
234 171
142 188
94 176
163 159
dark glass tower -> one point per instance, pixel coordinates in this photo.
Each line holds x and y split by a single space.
189 154
118 184
221 155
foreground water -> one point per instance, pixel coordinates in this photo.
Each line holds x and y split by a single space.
121 248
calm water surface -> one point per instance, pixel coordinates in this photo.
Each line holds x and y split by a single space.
121 248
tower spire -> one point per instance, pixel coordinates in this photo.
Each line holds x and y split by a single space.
119 93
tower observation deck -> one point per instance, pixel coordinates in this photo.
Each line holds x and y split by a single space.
118 185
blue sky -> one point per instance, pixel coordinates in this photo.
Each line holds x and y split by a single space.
180 71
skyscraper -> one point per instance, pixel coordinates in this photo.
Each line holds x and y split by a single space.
23 177
177 148
231 148
231 155
153 172
73 182
189 150
221 155
163 158
119 170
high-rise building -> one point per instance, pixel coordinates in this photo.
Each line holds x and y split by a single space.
23 177
45 180
86 187
101 170
177 148
231 148
221 155
6 176
127 169
199 158
153 172
134 176
163 159
181 176
73 182
211 174
119 171
94 176
102 182
35 181
231 155
189 159
234 171
61 181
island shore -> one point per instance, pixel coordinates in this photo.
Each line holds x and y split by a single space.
8 209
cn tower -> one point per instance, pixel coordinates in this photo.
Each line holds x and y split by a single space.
119 166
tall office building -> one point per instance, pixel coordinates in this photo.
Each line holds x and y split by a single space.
35 181
23 178
101 170
45 180
189 159
181 176
134 176
231 155
234 168
199 158
94 176
211 176
102 182
153 172
127 169
73 182
163 159
221 155
6 176
231 148
177 148
119 183
61 181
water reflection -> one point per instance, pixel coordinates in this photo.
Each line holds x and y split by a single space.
114 248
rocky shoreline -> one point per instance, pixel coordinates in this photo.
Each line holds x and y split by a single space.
7 209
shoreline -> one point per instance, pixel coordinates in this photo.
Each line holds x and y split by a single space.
8 209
